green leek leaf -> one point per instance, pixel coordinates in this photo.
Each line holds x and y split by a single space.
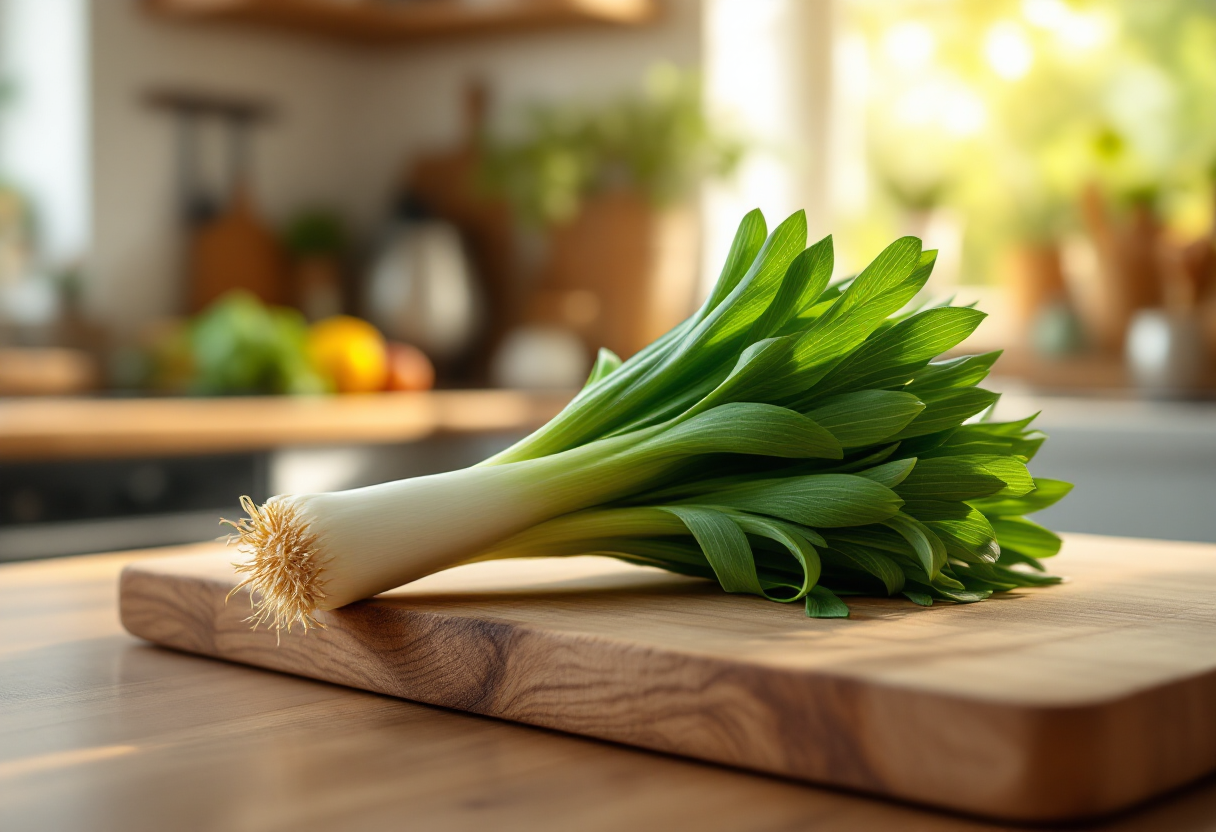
821 602
867 417
1046 493
1025 537
971 539
818 500
725 547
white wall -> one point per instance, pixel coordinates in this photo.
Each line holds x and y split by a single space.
350 120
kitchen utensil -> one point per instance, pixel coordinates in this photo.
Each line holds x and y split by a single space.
229 247
449 182
236 251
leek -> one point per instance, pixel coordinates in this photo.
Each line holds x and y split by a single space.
792 440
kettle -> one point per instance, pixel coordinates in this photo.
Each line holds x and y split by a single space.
421 288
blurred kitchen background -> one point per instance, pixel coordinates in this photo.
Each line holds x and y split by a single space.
259 246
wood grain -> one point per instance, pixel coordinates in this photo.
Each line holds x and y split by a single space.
46 429
1060 703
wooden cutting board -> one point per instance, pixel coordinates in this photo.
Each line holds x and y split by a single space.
1064 702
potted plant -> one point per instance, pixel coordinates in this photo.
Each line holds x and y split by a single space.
610 185
316 241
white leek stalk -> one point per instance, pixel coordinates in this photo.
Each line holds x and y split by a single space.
322 551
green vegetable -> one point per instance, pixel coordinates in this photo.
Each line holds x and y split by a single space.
238 345
791 440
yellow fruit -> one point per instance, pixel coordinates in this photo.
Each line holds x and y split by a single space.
349 351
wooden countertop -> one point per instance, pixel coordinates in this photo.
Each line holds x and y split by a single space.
71 428
99 730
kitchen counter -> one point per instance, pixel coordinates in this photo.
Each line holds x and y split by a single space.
1141 468
99 730
79 428
79 475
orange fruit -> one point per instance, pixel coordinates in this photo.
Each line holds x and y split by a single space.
409 368
351 352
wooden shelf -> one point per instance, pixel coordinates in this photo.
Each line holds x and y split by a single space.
406 21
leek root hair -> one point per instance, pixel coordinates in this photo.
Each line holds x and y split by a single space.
285 566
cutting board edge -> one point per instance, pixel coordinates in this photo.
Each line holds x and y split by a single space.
1065 766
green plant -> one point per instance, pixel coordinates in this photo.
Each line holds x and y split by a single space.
317 232
791 440
659 142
